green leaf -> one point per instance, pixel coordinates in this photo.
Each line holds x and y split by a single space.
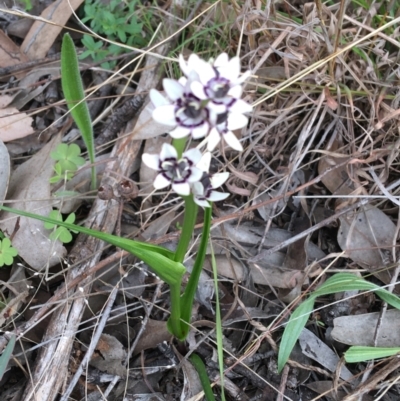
360 354
337 283
157 257
203 376
7 252
60 233
74 94
349 282
6 355
293 329
68 157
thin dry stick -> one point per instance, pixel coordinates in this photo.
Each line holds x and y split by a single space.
374 380
136 340
92 346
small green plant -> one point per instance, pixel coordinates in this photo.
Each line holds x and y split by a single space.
68 160
72 86
6 355
7 252
337 283
61 233
117 22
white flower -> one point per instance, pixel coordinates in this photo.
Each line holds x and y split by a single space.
224 130
186 112
179 173
220 83
203 190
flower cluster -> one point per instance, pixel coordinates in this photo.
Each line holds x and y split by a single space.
204 103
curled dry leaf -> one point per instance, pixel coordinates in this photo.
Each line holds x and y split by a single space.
367 237
155 333
360 329
29 190
110 355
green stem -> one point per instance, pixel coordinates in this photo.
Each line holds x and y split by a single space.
189 222
188 296
174 321
202 372
179 145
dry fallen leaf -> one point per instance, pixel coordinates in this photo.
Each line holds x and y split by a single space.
110 355
29 190
337 180
10 53
42 35
14 125
367 237
317 350
360 329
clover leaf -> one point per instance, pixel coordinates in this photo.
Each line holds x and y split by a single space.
68 156
7 252
61 233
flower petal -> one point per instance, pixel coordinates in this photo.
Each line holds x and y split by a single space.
198 90
195 175
236 121
157 98
221 60
240 106
206 72
201 131
214 138
235 91
232 141
161 182
243 77
152 161
204 163
183 65
173 88
180 132
218 179
168 152
201 202
165 115
231 70
216 196
194 155
182 189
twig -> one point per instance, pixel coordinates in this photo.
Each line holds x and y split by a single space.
92 346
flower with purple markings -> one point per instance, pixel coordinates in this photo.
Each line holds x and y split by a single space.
171 171
184 111
219 82
204 190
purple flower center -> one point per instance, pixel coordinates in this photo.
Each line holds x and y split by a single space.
176 171
217 88
206 182
190 112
